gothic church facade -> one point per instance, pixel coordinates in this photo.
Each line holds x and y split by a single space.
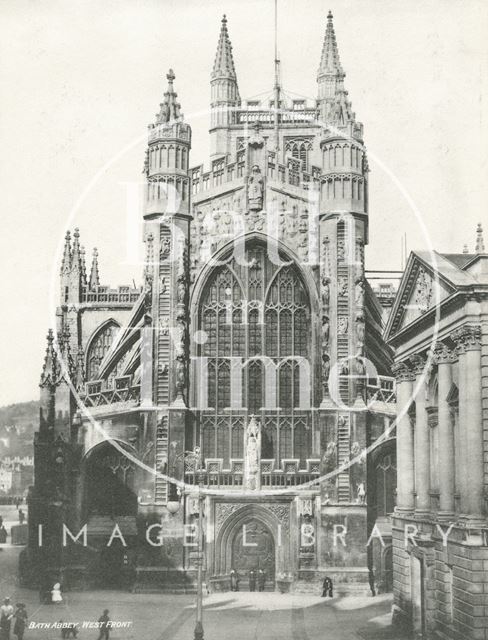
249 368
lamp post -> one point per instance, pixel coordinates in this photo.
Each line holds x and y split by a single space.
198 633
173 506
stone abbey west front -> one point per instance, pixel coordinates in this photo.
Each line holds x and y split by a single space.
255 342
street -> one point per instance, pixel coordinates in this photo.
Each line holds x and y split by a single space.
239 616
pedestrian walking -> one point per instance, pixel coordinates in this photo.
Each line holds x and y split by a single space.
261 579
252 580
104 621
234 580
6 615
21 516
20 616
327 588
3 535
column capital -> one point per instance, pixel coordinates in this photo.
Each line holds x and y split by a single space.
402 372
419 365
467 338
442 353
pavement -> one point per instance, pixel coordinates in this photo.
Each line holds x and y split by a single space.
226 616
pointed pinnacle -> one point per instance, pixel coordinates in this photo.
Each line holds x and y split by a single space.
66 262
224 60
170 108
94 275
330 63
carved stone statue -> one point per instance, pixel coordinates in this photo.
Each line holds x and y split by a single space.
252 478
255 187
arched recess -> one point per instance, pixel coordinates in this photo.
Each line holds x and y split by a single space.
257 319
232 527
98 346
109 484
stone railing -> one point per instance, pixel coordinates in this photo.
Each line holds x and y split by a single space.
120 295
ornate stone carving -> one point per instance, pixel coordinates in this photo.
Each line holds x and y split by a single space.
255 188
402 372
342 325
342 286
282 512
442 354
252 478
467 338
222 512
305 506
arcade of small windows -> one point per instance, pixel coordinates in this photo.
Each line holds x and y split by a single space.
258 316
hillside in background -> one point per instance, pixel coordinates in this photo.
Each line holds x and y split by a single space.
22 414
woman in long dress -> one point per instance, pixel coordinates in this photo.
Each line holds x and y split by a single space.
56 596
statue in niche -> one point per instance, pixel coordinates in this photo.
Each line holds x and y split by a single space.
325 371
360 292
325 291
325 331
360 329
255 188
253 454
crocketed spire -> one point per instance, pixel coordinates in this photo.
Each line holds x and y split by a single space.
224 60
170 109
76 252
330 63
50 368
94 275
480 243
66 262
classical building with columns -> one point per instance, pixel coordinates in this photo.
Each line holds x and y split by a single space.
250 367
439 330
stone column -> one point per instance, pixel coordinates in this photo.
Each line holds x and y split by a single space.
444 357
471 429
422 438
404 438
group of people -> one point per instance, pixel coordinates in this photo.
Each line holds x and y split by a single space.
8 615
255 578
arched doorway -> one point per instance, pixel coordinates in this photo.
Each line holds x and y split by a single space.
109 487
253 548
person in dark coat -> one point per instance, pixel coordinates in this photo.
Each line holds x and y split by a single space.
252 580
234 580
6 615
3 534
20 616
104 625
372 584
327 588
261 579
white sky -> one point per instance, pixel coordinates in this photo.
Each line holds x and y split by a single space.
81 80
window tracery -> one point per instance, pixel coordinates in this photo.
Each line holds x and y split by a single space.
260 316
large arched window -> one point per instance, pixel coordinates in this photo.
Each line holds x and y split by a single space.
98 348
256 320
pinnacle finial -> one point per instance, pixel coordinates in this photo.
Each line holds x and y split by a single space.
330 63
66 262
170 108
480 243
224 60
329 15
94 275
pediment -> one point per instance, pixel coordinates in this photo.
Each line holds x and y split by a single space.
420 291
